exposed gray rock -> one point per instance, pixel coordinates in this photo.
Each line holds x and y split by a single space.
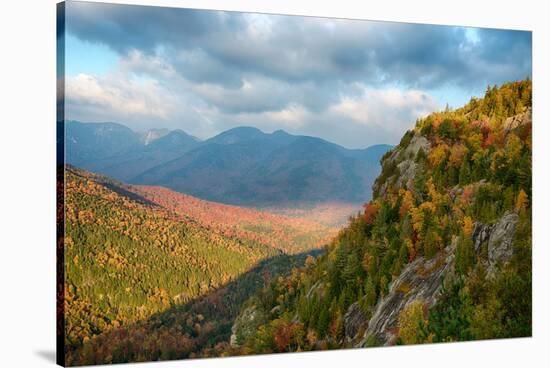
481 234
500 241
354 320
317 288
417 142
404 158
275 309
518 120
420 280
245 325
407 171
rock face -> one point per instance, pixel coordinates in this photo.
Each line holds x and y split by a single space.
518 120
420 280
354 321
481 234
245 325
498 237
500 247
404 158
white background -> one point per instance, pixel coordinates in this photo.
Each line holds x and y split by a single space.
27 180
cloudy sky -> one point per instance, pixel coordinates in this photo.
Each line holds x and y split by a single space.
355 83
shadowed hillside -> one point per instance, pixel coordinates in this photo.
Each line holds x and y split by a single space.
132 252
184 330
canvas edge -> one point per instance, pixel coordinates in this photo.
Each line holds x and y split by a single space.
60 184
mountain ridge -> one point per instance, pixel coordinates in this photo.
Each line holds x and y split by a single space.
441 253
232 167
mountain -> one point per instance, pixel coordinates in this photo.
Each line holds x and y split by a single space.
441 253
245 166
137 159
132 254
242 166
88 143
153 134
115 150
238 135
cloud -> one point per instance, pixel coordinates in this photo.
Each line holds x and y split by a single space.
87 95
356 121
226 47
353 82
137 63
389 109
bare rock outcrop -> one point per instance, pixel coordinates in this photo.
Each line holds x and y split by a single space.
245 325
481 234
500 248
423 279
518 120
355 320
420 280
404 158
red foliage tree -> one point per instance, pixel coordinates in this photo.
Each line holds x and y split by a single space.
371 209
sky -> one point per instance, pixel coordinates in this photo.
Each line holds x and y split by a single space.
352 82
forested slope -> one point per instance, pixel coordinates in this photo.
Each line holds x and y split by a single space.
290 235
128 259
441 253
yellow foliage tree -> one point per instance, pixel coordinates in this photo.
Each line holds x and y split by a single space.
468 226
513 148
432 192
521 200
407 202
458 151
417 214
411 319
438 154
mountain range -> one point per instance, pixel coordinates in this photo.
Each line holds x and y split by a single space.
242 166
442 252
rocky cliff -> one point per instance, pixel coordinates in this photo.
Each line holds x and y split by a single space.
441 253
422 281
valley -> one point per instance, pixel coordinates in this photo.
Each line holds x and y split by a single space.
136 253
440 250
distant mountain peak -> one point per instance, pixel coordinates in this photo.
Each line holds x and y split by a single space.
280 132
154 134
237 135
242 165
244 128
183 133
175 138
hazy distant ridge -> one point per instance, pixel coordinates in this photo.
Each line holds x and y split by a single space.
242 165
